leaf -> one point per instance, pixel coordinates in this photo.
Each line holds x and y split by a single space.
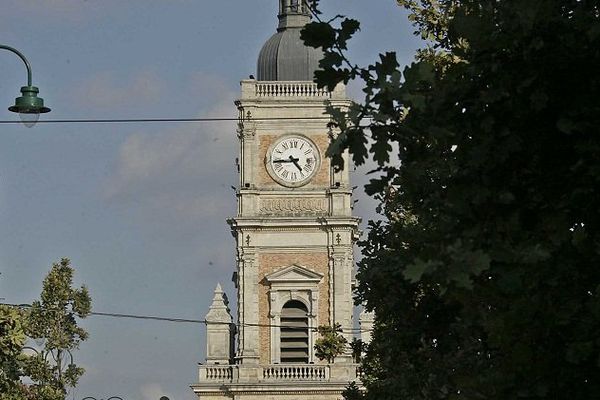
329 78
461 278
415 271
357 145
478 261
565 125
381 150
318 34
330 59
418 72
579 352
376 186
348 28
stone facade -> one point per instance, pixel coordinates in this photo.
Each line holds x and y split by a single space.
272 262
293 243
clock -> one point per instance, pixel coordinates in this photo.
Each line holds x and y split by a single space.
293 160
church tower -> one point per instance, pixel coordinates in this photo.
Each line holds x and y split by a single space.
294 234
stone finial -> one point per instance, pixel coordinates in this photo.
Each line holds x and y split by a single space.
219 330
219 309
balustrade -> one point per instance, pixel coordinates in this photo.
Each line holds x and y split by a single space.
219 373
290 89
270 373
296 373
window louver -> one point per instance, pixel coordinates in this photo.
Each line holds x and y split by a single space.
294 333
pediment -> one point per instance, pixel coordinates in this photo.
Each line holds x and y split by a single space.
293 274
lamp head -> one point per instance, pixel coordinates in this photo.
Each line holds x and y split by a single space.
29 105
29 102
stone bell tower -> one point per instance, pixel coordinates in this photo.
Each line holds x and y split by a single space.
294 234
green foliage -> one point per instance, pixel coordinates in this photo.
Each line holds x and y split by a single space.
353 392
483 272
358 347
51 321
12 340
331 343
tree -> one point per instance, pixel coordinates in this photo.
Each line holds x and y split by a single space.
12 340
483 270
331 343
358 348
50 321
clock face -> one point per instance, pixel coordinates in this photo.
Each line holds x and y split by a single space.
293 160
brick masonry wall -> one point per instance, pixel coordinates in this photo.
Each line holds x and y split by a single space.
271 262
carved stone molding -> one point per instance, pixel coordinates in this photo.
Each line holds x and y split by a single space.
294 206
245 131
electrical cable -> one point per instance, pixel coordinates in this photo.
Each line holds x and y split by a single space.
169 120
151 120
185 320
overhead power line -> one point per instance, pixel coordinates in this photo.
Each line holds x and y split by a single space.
183 320
171 120
159 120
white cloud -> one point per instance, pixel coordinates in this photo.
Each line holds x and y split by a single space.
153 391
182 173
105 90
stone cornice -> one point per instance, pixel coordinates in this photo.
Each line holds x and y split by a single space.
273 388
291 250
293 223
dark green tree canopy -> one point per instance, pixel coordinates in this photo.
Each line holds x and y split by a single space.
483 272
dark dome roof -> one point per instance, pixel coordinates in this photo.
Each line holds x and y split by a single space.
284 57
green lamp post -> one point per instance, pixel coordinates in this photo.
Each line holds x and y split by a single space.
28 105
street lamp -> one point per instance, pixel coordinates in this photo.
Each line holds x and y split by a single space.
28 105
110 398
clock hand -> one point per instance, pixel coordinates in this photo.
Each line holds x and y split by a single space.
282 161
295 161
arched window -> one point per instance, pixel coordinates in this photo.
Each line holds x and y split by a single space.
294 333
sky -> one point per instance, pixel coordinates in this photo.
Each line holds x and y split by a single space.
140 208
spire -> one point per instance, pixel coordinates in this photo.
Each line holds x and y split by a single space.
293 14
219 330
219 310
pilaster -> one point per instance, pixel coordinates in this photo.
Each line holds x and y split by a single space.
366 321
248 346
